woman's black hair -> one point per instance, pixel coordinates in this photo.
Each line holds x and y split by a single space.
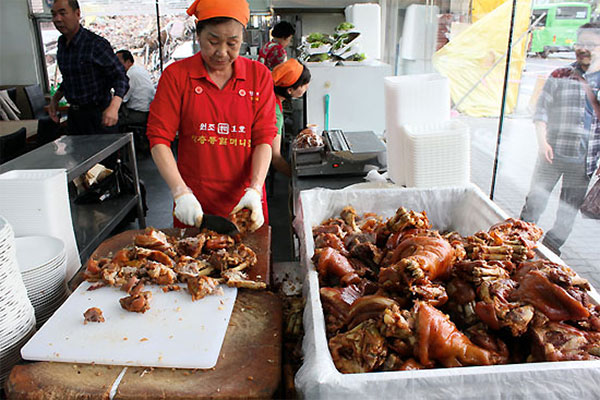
302 80
282 30
210 22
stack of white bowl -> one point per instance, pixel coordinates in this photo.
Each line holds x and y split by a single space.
43 262
17 318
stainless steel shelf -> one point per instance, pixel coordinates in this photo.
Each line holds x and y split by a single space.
76 154
92 223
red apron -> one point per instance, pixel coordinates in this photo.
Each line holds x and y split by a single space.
214 152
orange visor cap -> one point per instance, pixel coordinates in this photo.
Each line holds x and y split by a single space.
287 73
236 9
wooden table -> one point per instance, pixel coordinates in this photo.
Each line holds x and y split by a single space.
249 364
8 127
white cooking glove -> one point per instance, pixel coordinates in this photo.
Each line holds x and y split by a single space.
251 200
188 209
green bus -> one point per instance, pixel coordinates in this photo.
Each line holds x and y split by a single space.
556 27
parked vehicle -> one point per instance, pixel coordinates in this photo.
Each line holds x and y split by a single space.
556 27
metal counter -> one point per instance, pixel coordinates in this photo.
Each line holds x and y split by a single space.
92 223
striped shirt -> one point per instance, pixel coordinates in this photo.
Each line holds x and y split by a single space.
90 69
562 106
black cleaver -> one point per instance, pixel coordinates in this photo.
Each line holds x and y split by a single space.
218 224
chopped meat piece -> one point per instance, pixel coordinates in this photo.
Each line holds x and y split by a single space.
154 255
93 314
94 269
188 267
155 240
201 286
123 256
160 273
438 339
361 349
368 307
137 289
96 286
427 255
336 306
329 228
408 219
215 241
109 273
368 253
332 264
241 257
218 259
307 139
171 288
131 283
242 220
238 279
555 341
139 302
330 240
191 246
349 215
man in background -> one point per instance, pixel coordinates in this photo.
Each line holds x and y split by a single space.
136 103
90 70
566 124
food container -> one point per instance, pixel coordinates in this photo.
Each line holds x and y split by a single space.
463 209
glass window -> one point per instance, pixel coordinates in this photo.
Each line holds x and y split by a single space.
126 24
571 13
50 36
506 151
536 14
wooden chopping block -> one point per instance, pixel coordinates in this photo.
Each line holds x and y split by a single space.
55 381
249 366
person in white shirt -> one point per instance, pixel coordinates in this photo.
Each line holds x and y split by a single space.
136 103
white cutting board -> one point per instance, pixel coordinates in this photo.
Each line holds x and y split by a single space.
180 333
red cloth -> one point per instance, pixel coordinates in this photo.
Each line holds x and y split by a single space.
205 9
218 129
272 54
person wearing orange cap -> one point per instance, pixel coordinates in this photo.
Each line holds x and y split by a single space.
223 109
291 80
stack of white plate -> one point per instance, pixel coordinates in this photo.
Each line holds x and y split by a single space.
437 154
17 318
43 262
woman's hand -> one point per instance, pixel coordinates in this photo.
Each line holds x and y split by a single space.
251 200
188 209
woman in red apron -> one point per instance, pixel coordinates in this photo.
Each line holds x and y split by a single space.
223 107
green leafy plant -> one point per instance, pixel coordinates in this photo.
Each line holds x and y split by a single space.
344 26
318 57
316 37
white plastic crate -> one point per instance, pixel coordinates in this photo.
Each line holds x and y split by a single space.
436 154
462 209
